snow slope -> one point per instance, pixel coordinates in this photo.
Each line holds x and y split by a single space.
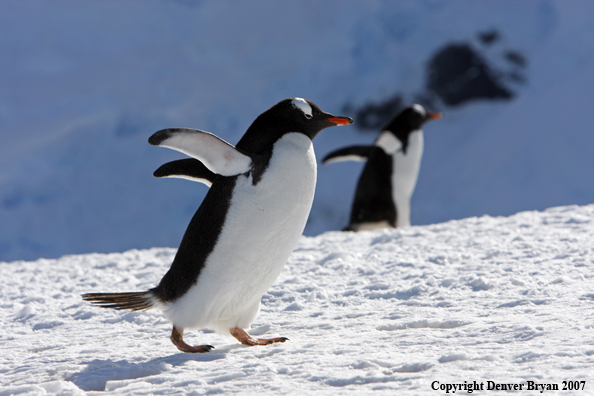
502 299
84 84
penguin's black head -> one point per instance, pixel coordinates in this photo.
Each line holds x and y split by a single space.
300 115
410 119
289 115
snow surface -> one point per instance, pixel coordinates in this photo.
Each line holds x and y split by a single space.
83 84
503 299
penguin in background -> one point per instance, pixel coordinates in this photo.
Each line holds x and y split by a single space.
249 222
385 187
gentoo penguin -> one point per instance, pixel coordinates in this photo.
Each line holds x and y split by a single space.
249 222
382 198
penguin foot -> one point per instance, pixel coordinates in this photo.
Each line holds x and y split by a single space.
178 341
243 337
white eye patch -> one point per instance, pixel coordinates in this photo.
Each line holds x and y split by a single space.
420 109
302 105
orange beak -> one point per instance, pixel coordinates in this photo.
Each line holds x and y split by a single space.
340 120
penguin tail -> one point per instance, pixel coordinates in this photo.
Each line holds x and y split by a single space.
134 301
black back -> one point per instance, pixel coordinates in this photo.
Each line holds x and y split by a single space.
373 198
198 241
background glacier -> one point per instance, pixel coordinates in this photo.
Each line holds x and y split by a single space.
84 84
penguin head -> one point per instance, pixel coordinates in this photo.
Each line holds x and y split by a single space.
409 120
412 118
300 115
289 115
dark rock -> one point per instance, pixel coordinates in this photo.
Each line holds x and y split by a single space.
457 74
516 58
488 37
373 116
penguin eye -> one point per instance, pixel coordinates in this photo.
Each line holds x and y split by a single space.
308 116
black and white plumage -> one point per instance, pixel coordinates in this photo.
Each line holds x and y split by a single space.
187 168
385 187
245 229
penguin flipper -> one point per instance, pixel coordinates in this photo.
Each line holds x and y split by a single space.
216 154
351 153
189 169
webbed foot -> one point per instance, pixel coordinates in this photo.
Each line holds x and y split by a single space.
243 337
178 341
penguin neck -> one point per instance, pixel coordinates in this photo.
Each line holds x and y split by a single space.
262 144
262 135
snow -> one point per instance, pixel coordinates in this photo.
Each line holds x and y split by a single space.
502 299
84 84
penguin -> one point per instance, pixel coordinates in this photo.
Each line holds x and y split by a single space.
187 168
249 222
382 197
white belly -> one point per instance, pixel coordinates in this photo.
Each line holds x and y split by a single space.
263 226
404 177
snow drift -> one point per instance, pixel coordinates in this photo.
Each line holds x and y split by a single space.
500 299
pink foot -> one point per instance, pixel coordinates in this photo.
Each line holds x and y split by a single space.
178 341
243 337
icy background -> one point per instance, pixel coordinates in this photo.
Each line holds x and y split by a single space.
502 299
84 84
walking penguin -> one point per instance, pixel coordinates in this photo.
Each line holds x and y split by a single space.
382 198
249 222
